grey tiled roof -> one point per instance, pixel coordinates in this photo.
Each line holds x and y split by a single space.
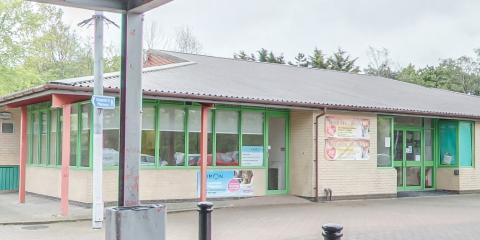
251 81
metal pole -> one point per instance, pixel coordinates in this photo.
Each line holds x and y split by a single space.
97 208
131 103
205 220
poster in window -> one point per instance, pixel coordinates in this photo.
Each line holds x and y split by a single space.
252 156
228 183
346 127
345 149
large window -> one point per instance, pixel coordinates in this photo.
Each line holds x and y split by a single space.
73 135
35 138
456 143
448 142
252 138
148 135
111 137
226 128
384 142
172 136
43 137
85 136
53 137
194 125
465 143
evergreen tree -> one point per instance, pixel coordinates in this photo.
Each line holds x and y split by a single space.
300 61
262 55
340 61
317 59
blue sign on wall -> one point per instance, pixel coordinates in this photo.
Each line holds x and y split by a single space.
103 102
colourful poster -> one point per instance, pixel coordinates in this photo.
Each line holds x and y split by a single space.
345 149
252 156
347 127
228 183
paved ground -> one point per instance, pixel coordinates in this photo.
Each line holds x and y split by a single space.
40 209
444 217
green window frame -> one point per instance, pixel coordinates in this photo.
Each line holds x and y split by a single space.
37 110
464 144
157 104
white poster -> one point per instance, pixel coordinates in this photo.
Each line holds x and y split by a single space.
252 156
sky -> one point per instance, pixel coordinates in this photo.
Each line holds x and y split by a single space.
414 31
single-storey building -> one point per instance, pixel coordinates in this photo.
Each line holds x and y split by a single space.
274 129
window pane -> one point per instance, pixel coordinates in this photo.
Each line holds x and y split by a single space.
7 127
413 148
59 162
35 138
399 176
398 143
226 126
428 177
194 125
448 142
384 132
408 121
111 137
73 135
172 136
252 138
43 139
85 137
428 145
465 144
148 136
53 137
413 177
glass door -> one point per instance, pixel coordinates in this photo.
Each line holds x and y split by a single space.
277 153
409 159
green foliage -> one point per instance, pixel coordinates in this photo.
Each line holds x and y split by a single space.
36 47
340 61
300 61
317 59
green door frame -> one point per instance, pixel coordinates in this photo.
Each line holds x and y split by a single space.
286 116
404 164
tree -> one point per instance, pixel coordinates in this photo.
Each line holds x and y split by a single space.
340 61
300 61
272 58
408 74
317 59
36 46
380 63
244 56
186 42
153 37
262 55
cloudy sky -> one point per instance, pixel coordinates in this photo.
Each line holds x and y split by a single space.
417 31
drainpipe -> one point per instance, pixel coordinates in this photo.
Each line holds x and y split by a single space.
316 151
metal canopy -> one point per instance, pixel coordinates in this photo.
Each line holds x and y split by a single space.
119 6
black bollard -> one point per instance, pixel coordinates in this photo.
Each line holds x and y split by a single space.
205 220
332 231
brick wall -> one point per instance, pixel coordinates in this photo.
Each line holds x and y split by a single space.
355 177
302 151
9 143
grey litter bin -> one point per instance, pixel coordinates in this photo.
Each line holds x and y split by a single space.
135 223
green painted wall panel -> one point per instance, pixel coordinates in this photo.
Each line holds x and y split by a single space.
8 178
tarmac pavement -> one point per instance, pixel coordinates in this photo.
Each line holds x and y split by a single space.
418 218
